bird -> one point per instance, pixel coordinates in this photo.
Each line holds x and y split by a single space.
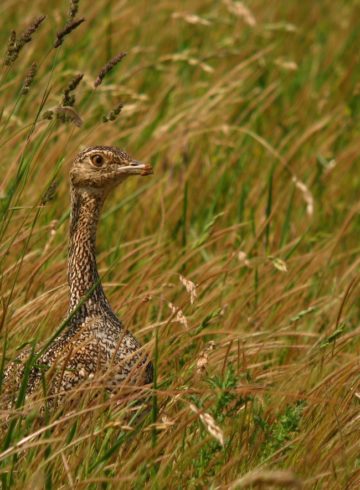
94 339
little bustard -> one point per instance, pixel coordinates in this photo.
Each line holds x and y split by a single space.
94 340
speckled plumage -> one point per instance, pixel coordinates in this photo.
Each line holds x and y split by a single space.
95 340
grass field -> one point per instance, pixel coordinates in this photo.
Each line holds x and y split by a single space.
237 262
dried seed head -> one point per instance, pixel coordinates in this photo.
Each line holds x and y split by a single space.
10 49
180 317
108 67
68 97
26 36
29 79
203 358
113 114
242 11
308 197
279 264
48 115
15 46
190 288
242 258
68 114
71 26
75 82
202 362
50 193
74 7
210 424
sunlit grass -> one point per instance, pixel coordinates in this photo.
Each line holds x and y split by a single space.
250 119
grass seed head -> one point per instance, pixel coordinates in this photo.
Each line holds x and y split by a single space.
49 115
107 68
50 193
68 114
210 424
16 45
307 195
26 36
68 97
10 49
113 114
179 315
71 26
29 78
190 288
74 7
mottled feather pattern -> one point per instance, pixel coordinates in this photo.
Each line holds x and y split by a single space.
95 341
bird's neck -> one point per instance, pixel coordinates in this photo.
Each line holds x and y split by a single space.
86 292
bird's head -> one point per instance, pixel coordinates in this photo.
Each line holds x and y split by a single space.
101 168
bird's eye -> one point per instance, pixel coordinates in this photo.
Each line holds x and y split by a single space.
97 160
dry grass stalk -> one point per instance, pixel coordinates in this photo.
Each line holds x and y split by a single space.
278 478
190 288
29 79
71 26
107 68
67 471
210 424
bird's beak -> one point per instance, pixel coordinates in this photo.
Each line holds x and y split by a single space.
136 167
145 168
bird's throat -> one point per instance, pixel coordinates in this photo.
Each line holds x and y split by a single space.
86 293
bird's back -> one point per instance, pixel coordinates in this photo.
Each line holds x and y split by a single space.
98 346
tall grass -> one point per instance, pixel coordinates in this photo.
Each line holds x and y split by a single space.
250 118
